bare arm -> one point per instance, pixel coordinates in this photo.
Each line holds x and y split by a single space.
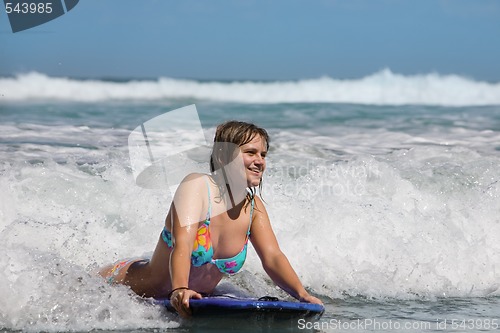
274 261
180 256
186 212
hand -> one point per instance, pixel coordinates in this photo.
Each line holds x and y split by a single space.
311 299
180 301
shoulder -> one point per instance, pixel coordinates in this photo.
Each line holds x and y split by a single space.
192 184
190 199
261 230
195 177
258 201
259 208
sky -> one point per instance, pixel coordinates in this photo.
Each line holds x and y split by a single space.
259 39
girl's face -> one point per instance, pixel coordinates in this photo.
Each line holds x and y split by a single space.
254 154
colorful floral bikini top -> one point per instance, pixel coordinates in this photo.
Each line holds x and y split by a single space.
203 251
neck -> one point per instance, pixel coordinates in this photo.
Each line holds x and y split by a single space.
232 192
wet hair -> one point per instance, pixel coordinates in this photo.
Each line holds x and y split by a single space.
228 137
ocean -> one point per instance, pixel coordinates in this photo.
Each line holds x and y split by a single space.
383 191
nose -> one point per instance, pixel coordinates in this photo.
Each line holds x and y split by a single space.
259 159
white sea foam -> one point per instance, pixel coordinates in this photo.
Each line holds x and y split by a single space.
422 221
381 88
362 212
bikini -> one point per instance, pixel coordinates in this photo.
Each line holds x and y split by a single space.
203 251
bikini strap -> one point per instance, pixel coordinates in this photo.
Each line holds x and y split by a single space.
209 213
251 213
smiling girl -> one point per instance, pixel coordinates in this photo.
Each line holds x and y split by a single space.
208 226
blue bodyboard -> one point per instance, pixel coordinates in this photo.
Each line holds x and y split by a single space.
264 307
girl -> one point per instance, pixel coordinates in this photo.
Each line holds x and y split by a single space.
208 226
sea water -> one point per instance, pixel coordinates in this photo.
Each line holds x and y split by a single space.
383 192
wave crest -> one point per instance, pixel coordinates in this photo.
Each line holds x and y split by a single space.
381 88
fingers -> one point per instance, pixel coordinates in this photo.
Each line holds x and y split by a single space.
312 299
197 295
183 304
316 301
180 301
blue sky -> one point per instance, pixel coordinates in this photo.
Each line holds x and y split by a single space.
251 39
